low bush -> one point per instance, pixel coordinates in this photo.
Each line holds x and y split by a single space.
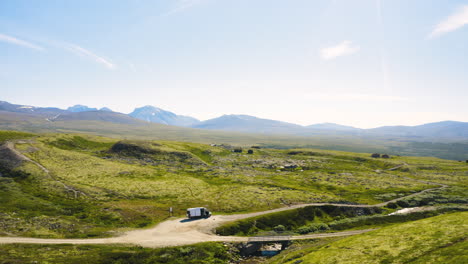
312 228
371 220
279 228
441 196
293 219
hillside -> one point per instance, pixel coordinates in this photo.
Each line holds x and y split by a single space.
119 126
157 115
100 116
440 239
82 186
125 175
447 140
80 108
6 107
245 123
333 127
441 130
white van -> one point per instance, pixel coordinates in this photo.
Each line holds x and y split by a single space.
198 212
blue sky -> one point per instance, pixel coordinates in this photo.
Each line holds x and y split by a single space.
364 63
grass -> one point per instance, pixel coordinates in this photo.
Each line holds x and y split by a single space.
12 135
450 195
201 253
439 239
374 221
293 220
320 219
78 143
150 131
132 183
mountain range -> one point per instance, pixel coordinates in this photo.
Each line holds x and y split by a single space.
157 115
445 130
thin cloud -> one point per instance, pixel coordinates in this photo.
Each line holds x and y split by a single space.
182 5
344 48
19 42
451 23
80 51
132 67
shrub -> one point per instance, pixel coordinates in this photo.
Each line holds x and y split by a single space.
313 228
293 219
279 228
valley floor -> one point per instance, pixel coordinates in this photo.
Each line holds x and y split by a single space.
84 190
183 231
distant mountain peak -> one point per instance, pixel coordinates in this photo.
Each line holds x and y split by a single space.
332 126
155 114
106 109
80 108
247 123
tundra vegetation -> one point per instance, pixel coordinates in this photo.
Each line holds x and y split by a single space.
320 219
439 239
203 253
91 186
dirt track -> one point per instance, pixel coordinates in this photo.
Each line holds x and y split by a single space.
183 231
175 232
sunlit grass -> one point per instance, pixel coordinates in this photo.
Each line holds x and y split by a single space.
163 174
438 239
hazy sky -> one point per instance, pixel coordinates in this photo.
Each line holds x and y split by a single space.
364 63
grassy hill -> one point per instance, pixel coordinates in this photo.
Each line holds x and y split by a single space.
439 239
79 185
95 184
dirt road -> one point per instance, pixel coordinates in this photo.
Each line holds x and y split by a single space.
175 232
183 231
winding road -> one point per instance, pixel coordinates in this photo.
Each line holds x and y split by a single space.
182 231
176 232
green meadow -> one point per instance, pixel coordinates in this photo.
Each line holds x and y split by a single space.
130 183
93 186
439 239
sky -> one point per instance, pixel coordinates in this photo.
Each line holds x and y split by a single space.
364 63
